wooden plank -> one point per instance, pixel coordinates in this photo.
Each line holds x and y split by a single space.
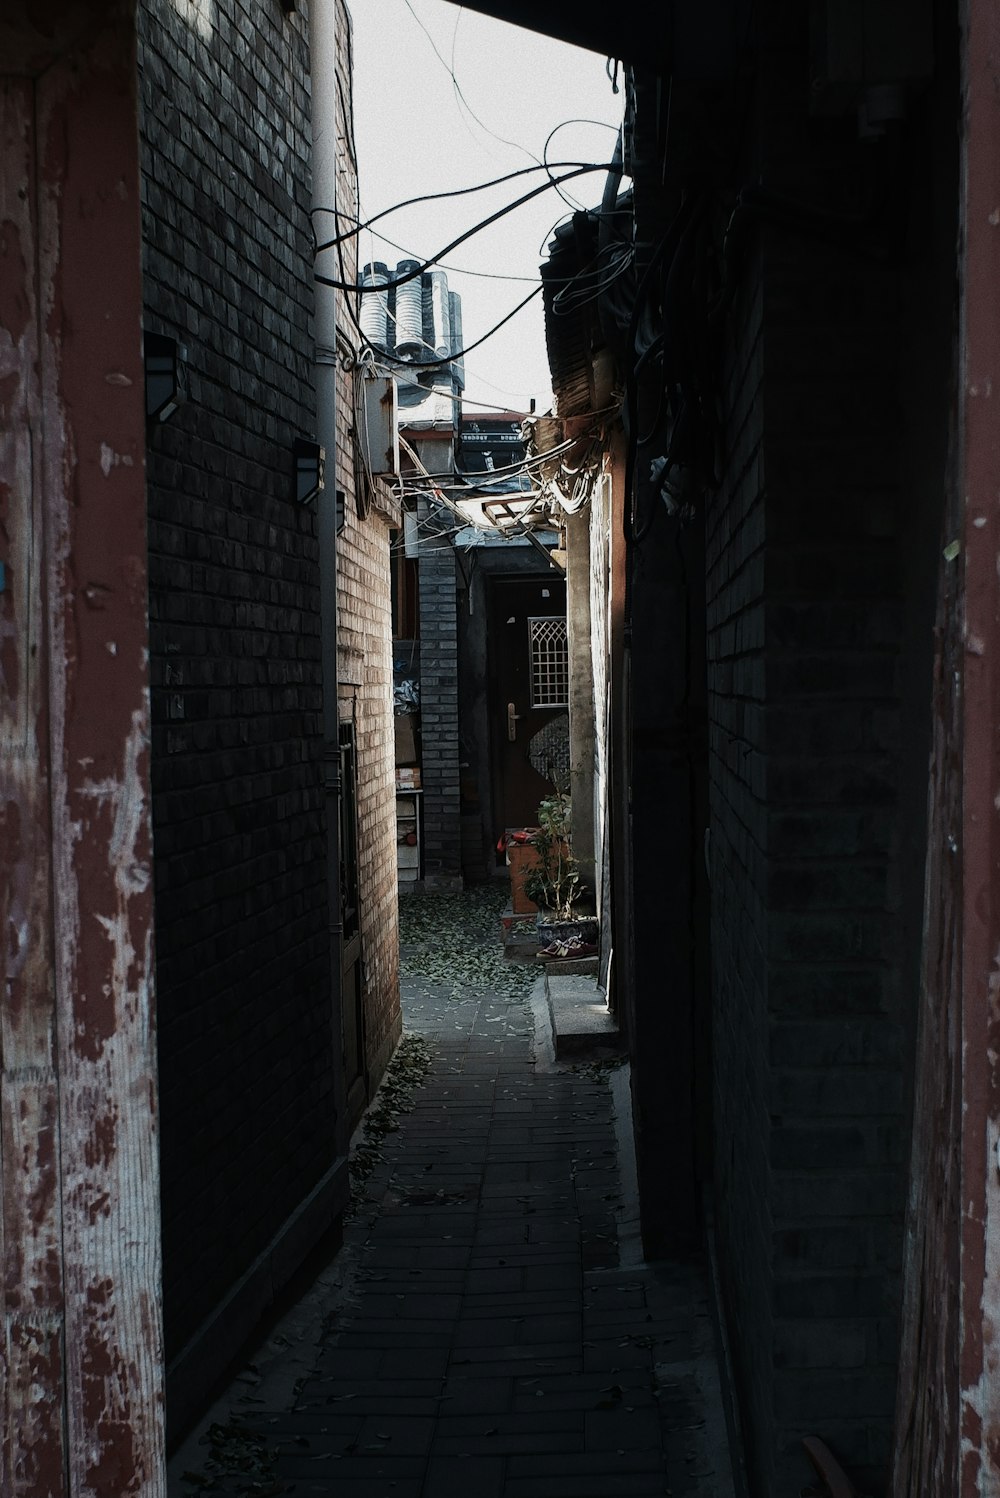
926 1442
979 831
94 524
31 1401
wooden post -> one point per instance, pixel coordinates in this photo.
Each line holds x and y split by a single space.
81 1372
979 832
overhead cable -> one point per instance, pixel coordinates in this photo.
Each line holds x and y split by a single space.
511 470
554 165
442 498
485 223
458 270
461 192
421 364
450 70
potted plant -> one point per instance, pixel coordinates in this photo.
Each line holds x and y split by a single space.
522 857
554 882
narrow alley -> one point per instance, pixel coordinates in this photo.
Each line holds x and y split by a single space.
489 1327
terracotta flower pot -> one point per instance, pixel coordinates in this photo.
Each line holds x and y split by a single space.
521 859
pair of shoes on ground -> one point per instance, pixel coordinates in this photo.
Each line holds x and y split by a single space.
575 947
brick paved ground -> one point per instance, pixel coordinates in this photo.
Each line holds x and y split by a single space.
478 1337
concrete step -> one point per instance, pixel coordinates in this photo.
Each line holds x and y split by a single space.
581 1022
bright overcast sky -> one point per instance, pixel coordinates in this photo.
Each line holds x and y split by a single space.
421 130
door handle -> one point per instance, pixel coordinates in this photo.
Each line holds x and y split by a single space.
512 718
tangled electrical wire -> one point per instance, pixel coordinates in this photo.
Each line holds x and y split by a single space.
673 397
672 414
348 284
593 282
567 472
361 358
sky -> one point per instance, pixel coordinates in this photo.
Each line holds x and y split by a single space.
482 104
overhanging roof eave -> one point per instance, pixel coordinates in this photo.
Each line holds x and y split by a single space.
635 33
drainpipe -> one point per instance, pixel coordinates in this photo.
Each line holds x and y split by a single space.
323 26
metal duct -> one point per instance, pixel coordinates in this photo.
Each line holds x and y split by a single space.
409 311
374 317
457 337
440 314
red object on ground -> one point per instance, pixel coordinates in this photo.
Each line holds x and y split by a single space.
515 836
521 859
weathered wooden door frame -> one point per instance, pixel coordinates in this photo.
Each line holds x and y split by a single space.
81 1365
947 1434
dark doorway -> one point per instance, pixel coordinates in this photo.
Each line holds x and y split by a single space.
527 703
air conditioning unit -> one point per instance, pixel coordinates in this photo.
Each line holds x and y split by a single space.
378 425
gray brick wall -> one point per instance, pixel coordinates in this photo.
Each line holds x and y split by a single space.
833 731
805 631
735 538
243 977
364 643
442 851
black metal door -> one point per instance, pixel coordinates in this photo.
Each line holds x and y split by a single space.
528 694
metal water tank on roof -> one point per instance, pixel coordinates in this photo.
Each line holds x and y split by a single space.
440 314
374 316
409 310
458 368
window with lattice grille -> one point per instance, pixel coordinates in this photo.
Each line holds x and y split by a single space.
549 646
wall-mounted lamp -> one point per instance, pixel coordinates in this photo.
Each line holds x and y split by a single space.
309 463
163 358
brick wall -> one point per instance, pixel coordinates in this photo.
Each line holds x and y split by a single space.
439 705
478 850
243 979
834 741
735 534
836 531
364 649
808 1030
364 625
817 760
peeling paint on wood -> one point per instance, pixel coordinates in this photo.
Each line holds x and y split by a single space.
81 1375
980 331
926 1454
30 1219
948 1418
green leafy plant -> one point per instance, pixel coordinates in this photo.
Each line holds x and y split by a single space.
555 882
